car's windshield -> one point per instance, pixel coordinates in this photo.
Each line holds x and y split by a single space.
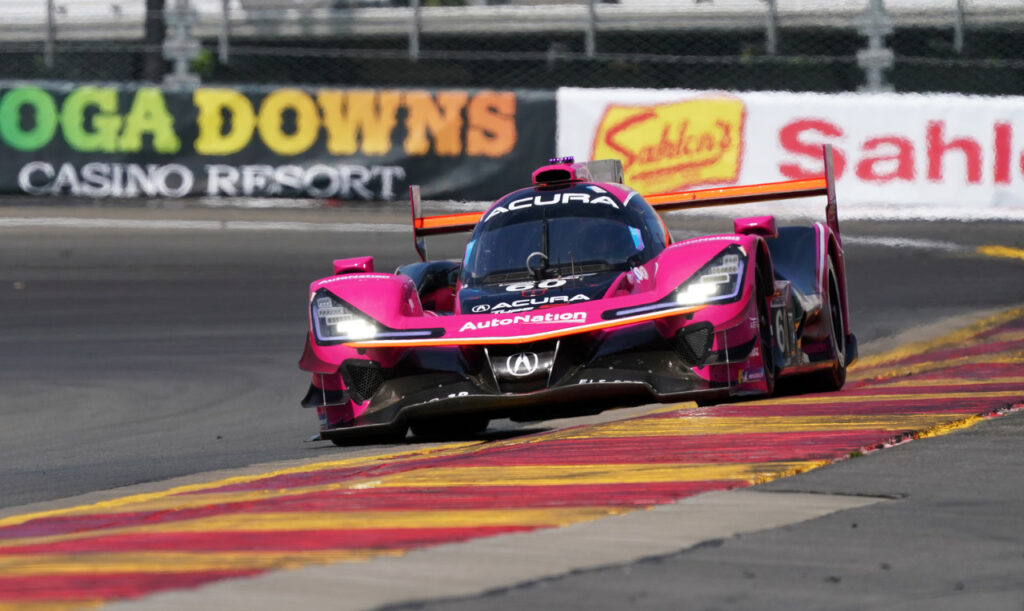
557 241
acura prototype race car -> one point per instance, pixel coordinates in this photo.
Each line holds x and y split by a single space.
572 297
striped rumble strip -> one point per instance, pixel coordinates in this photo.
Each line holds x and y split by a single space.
355 509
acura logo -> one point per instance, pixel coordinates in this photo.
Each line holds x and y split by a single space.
522 364
483 307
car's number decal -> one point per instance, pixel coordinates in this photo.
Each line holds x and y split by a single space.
550 283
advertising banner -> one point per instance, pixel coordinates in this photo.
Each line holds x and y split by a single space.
347 144
911 155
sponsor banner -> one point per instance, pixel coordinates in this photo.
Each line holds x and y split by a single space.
692 142
892 151
348 144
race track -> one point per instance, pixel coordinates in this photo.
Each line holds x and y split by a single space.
158 344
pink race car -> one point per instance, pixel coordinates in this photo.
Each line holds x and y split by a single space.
572 298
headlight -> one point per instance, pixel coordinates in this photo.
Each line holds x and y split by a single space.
334 321
721 280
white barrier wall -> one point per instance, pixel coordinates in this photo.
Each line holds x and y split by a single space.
912 156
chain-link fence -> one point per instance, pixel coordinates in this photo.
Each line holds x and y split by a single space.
970 46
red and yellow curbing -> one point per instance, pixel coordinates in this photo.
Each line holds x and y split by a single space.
356 509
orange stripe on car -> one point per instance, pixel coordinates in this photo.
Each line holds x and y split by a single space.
521 339
738 194
446 223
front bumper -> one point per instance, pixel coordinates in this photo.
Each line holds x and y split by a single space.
665 360
612 381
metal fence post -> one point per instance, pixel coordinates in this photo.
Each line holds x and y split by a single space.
223 33
958 27
771 34
49 46
414 32
875 24
590 40
181 47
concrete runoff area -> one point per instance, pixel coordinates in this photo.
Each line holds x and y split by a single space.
483 565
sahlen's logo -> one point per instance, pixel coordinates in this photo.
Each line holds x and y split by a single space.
667 147
522 364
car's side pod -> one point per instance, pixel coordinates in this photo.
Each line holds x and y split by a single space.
825 242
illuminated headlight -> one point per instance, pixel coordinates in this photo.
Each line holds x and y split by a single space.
333 320
720 280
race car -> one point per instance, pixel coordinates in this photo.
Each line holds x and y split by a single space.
571 298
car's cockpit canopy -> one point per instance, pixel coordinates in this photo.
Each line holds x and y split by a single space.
582 228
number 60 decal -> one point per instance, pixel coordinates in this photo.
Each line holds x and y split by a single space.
550 283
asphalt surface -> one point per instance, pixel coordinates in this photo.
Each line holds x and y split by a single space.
132 355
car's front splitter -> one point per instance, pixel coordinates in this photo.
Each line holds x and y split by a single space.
590 390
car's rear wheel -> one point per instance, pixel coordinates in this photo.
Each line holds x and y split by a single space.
766 332
834 377
450 428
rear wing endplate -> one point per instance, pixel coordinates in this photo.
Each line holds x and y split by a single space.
662 202
423 226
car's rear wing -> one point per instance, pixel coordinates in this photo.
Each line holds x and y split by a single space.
662 202
744 194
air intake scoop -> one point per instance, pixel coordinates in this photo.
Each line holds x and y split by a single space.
565 170
561 170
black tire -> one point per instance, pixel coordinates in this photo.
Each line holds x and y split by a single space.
462 427
833 378
766 332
